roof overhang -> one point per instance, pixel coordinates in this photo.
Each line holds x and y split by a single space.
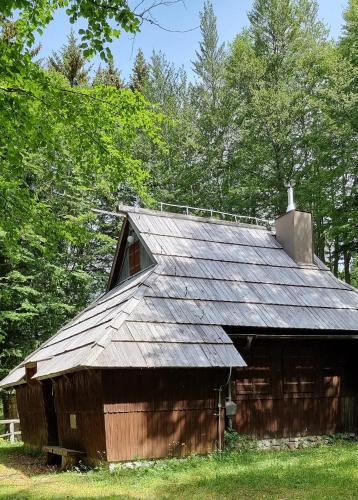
294 336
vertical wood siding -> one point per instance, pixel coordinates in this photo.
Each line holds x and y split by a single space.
81 394
30 404
292 388
159 413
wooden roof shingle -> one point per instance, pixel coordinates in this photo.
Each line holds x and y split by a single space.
208 274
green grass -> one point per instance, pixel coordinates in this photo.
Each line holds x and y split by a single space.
327 472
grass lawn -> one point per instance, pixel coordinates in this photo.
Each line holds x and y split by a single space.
329 472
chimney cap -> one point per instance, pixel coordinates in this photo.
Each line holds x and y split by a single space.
291 204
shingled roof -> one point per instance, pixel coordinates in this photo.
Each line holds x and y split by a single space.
207 274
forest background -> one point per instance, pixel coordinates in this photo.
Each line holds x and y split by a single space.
279 103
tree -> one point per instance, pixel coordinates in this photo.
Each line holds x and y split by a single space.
210 58
349 38
105 19
108 76
212 111
346 229
71 62
166 88
140 72
61 155
62 152
286 79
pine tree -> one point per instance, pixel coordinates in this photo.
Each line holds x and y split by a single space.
140 72
70 62
211 55
212 112
108 76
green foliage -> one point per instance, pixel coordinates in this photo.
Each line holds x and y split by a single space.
34 16
280 104
108 76
212 110
70 62
211 55
140 72
354 273
63 152
239 442
349 39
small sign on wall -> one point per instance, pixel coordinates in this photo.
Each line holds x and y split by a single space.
73 421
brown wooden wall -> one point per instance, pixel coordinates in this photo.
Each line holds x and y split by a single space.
80 394
159 413
124 414
31 408
293 388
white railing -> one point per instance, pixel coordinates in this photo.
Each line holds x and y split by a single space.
216 213
213 213
12 433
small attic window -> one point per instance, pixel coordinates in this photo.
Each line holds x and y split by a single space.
136 258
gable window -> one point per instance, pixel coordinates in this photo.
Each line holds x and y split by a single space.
134 258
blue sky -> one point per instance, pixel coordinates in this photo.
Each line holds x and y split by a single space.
180 47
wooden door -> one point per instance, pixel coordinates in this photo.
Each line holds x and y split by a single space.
50 413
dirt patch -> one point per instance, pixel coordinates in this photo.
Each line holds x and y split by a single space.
23 465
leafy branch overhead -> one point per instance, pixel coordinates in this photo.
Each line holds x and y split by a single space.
105 19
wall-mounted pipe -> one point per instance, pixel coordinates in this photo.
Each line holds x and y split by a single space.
229 399
220 408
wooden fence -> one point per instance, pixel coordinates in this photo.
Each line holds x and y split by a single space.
11 433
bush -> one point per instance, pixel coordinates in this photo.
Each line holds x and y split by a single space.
239 442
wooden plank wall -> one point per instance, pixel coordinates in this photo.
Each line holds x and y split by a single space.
80 394
293 388
162 412
31 408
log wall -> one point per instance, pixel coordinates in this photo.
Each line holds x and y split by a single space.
296 388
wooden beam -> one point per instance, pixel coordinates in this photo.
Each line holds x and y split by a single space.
118 258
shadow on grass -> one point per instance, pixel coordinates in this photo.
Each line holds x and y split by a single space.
325 472
24 460
29 494
276 481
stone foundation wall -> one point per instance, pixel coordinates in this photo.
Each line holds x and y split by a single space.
301 442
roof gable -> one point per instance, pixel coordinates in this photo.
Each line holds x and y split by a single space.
121 266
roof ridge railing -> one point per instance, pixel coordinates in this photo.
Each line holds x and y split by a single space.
217 213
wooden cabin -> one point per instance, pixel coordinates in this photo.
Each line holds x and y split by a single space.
197 310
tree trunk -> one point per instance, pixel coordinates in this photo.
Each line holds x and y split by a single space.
336 257
347 262
320 241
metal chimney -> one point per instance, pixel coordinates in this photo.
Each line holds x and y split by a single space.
291 204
